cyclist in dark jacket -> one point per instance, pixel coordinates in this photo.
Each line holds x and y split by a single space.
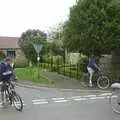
5 74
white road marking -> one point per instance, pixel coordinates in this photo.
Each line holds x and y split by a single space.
58 98
90 96
105 94
61 101
36 103
114 96
95 98
107 97
66 89
78 99
39 100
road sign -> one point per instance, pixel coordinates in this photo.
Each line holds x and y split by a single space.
38 48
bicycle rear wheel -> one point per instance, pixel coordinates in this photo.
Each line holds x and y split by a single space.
17 102
115 102
103 82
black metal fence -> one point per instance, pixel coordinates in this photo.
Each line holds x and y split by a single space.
77 71
70 70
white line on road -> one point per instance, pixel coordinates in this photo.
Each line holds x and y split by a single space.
58 98
95 98
36 103
114 96
90 96
61 101
107 97
105 94
78 99
39 100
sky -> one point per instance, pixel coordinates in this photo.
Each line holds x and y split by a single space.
16 16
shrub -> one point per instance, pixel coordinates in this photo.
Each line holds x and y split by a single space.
115 77
53 59
83 61
21 64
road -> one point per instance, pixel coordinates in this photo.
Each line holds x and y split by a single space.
54 104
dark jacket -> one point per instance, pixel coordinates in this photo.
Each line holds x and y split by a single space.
3 69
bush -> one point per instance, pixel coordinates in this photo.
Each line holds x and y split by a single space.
53 59
115 78
83 62
21 64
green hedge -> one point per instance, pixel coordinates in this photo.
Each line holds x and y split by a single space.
82 63
114 77
21 64
53 59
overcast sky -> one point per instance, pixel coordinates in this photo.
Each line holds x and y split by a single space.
16 16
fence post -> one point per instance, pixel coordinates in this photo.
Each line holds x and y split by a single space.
77 72
51 63
64 69
70 69
58 65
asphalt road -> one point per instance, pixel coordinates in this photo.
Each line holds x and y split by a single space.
54 104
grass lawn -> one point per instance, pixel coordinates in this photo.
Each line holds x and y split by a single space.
32 75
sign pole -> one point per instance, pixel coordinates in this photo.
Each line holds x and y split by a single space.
38 49
38 59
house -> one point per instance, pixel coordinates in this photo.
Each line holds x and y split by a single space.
9 47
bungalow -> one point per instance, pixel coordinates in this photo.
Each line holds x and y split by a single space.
9 47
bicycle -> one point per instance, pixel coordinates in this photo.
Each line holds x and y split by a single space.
115 98
101 81
11 97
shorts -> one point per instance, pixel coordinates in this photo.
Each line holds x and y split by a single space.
90 70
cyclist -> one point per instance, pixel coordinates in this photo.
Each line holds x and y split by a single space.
5 75
92 67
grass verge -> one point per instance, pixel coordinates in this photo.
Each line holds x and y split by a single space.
31 74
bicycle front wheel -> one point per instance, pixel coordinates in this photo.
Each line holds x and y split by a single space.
17 101
115 102
103 82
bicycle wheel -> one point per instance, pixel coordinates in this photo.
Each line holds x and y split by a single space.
17 101
8 97
103 82
115 102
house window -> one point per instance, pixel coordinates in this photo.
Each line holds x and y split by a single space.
11 53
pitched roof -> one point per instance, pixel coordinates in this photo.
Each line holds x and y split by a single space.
9 42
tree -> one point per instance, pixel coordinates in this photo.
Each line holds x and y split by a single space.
93 27
26 43
56 35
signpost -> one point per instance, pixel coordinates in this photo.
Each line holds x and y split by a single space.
38 48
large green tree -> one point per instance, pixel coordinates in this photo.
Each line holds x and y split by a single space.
93 27
56 35
30 37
